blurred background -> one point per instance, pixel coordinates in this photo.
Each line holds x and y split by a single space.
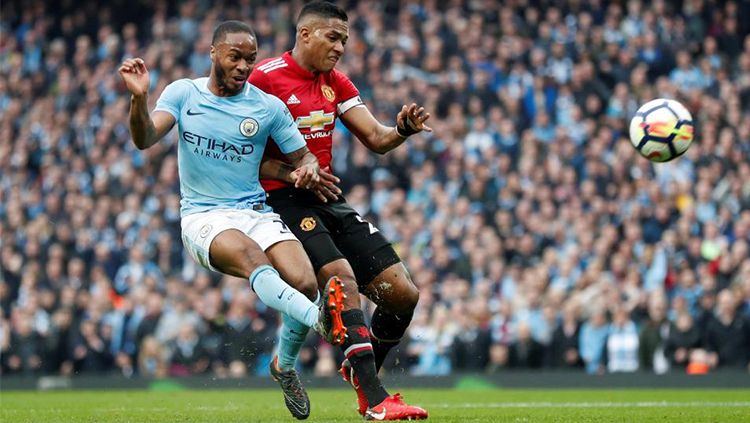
538 237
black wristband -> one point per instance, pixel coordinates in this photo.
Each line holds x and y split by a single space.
407 130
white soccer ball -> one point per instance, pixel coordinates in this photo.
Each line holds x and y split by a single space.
661 130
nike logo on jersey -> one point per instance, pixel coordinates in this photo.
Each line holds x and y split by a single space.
282 293
192 113
293 100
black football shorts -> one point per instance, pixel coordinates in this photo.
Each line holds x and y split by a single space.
334 230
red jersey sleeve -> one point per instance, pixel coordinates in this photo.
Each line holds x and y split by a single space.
347 94
260 79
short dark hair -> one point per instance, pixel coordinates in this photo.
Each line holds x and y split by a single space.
230 27
323 9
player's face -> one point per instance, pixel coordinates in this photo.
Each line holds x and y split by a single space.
326 43
233 59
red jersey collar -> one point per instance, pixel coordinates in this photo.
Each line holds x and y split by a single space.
293 65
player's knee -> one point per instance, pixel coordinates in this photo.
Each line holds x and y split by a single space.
309 288
410 297
341 270
241 263
249 254
406 296
303 280
352 293
350 286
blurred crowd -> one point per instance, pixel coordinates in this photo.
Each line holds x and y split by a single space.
537 236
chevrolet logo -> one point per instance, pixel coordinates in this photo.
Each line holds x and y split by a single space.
317 120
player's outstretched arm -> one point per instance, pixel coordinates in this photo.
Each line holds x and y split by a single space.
380 138
144 129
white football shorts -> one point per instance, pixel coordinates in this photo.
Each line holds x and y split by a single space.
200 229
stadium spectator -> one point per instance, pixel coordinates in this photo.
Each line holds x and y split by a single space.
242 335
188 356
622 343
471 344
25 349
653 337
525 352
90 352
152 360
137 270
727 337
593 340
565 347
683 338
430 339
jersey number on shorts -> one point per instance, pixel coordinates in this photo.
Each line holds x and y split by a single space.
284 227
373 229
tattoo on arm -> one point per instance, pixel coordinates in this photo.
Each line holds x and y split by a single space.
302 157
276 169
142 128
284 170
147 129
281 170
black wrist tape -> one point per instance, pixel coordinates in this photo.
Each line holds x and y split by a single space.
405 129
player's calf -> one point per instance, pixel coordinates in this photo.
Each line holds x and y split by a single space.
352 301
342 270
358 351
396 297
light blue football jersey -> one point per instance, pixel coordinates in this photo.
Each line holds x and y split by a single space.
222 141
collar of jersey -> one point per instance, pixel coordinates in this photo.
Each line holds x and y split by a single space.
202 84
296 67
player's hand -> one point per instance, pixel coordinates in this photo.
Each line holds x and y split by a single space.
135 75
411 120
306 176
326 189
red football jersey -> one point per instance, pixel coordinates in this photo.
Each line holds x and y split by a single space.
314 99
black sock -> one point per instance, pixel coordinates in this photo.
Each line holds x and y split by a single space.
386 330
358 350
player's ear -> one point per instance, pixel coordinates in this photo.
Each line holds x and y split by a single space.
304 33
212 53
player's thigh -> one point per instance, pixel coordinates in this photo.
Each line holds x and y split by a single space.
285 252
217 241
308 226
365 248
393 289
234 253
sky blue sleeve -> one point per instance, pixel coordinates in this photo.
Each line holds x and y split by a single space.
284 130
172 98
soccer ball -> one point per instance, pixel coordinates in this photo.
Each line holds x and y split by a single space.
661 130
